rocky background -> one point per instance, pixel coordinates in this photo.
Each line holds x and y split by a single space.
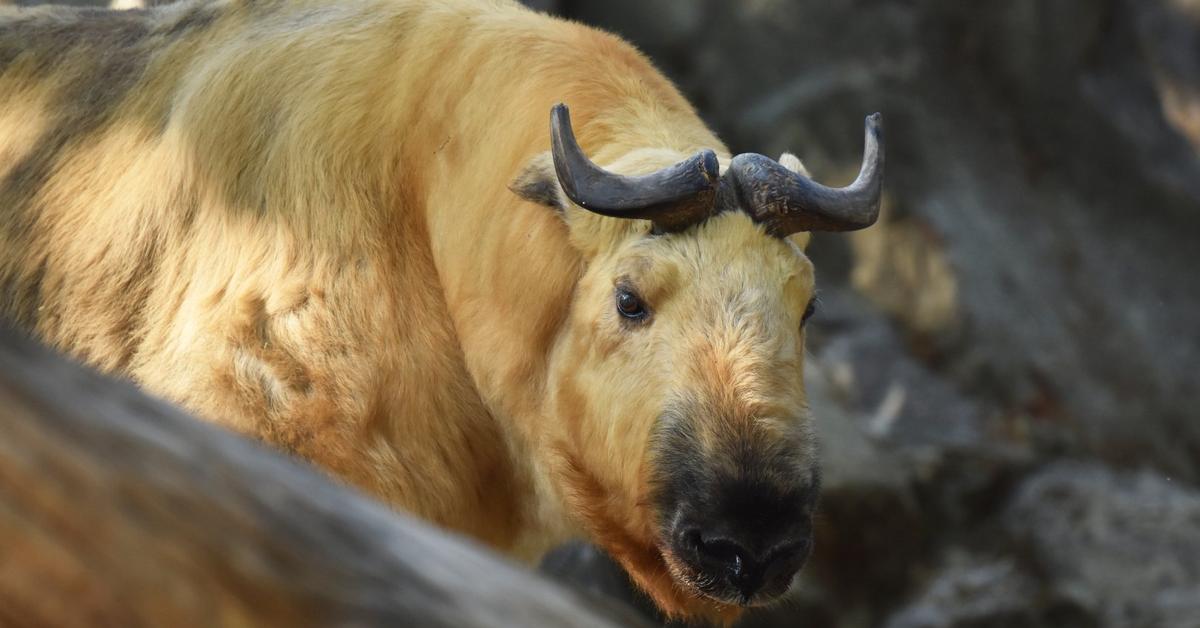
1006 371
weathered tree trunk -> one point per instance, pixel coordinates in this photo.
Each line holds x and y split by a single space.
117 509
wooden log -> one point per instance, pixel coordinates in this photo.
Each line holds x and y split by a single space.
117 509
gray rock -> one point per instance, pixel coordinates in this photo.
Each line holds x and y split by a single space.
952 452
970 591
1078 545
1126 546
898 400
868 512
586 568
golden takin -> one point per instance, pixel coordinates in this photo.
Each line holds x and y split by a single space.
345 228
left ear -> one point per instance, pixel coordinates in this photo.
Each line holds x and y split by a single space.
591 233
793 163
538 183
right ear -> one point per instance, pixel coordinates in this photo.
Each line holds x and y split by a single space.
538 183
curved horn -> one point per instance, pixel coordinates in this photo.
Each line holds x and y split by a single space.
787 202
672 198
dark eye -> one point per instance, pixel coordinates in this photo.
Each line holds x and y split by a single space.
809 311
629 305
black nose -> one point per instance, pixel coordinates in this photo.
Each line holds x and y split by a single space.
727 560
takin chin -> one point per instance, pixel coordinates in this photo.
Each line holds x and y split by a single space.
345 228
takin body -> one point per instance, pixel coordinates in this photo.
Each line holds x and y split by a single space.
335 226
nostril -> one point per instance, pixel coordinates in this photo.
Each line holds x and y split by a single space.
786 558
789 550
718 553
723 551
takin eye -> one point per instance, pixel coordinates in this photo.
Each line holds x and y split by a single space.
629 305
809 311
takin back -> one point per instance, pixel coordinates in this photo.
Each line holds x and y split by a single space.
346 228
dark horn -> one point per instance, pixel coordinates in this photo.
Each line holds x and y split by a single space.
787 202
672 198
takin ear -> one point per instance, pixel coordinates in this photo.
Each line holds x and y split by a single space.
793 163
538 183
590 233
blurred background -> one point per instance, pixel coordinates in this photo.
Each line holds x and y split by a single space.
1005 369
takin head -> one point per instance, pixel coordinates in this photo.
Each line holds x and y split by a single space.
682 437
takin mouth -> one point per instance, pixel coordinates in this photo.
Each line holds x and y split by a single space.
678 591
652 567
698 584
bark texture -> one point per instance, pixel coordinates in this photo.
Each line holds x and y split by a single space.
117 509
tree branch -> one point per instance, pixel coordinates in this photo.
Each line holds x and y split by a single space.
119 509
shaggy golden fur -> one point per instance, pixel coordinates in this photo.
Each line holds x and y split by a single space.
294 219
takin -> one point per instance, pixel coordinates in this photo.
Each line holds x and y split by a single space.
345 228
